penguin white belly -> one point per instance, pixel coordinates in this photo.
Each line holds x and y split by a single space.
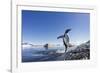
66 39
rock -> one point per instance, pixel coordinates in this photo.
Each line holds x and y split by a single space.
81 52
46 46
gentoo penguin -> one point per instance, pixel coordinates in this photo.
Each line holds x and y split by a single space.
65 38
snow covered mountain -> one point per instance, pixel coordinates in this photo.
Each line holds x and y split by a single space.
27 45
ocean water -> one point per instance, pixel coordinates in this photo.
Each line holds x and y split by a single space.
41 54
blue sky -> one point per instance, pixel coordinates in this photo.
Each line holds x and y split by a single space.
40 27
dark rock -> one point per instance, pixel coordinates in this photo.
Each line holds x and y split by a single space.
81 52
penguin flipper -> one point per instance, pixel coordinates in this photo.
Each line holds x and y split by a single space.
67 30
60 36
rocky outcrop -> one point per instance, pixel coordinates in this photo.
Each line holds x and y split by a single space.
81 52
46 46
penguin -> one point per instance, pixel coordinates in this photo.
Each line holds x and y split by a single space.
65 38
